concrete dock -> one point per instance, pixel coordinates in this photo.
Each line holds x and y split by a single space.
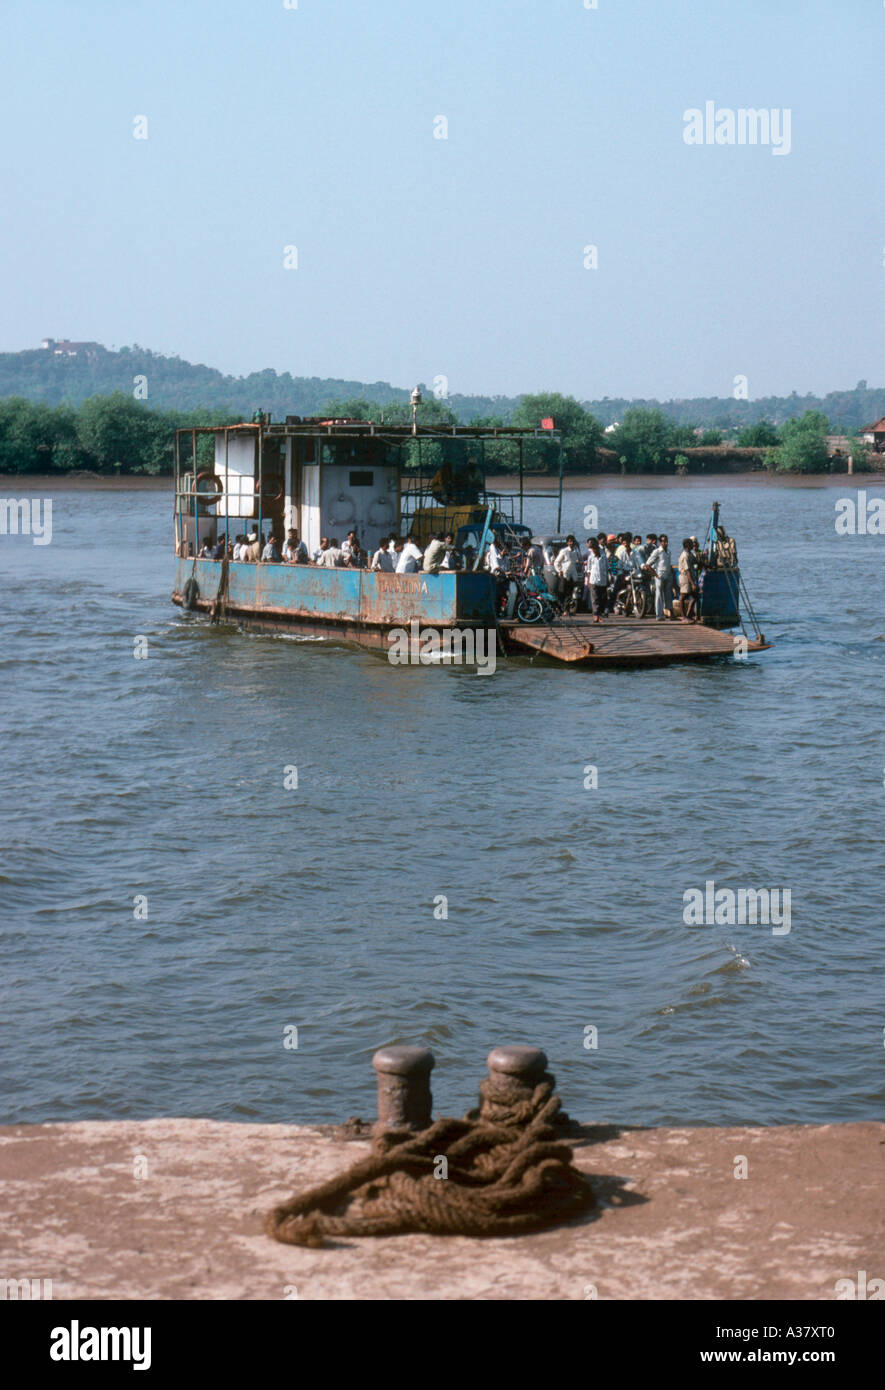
172 1208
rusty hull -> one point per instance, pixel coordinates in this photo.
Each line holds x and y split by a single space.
361 607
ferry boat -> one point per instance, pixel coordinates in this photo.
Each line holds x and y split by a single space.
325 477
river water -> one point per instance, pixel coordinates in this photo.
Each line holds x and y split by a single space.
156 786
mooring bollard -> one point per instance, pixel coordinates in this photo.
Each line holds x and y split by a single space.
514 1072
404 1098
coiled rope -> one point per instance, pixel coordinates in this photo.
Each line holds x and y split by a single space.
504 1173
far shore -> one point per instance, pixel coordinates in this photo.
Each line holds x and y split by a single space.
573 482
85 482
26 483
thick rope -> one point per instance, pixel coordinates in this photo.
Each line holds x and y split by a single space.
219 603
504 1173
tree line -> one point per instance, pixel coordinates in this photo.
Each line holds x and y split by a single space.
176 385
644 441
118 434
106 434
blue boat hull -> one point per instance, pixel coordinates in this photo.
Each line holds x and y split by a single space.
356 602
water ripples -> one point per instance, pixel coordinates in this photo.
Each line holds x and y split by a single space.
322 907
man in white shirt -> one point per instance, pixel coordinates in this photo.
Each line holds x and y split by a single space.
382 560
332 557
496 562
549 551
496 556
568 566
411 552
661 565
406 560
317 556
597 577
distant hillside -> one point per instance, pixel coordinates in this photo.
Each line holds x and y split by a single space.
72 372
172 384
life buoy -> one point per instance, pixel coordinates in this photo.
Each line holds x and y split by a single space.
190 594
273 489
208 499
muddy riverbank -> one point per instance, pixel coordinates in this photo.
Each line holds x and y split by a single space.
27 484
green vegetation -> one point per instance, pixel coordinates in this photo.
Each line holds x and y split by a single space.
860 453
680 436
803 446
430 412
761 435
108 434
87 411
642 439
581 431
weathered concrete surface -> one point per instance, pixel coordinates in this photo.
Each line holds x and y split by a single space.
674 1221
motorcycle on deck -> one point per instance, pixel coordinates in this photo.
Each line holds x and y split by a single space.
533 603
636 599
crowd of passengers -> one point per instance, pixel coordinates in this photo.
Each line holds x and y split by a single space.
594 577
394 554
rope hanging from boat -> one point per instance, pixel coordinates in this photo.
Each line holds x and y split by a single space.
504 1172
219 603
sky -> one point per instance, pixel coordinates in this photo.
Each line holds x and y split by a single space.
315 124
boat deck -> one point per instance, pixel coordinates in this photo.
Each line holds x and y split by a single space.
621 641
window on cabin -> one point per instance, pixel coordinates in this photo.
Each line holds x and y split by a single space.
362 477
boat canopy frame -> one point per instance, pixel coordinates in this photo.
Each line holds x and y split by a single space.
323 429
